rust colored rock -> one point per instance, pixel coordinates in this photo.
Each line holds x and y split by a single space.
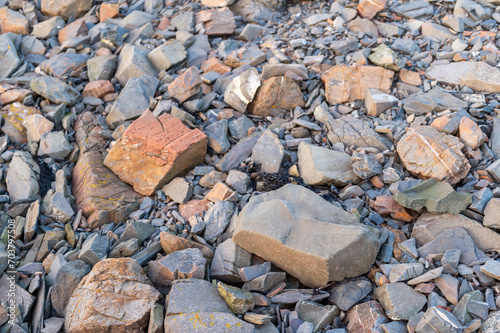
347 83
172 243
14 95
186 85
108 10
12 21
427 153
194 207
410 77
364 317
153 151
13 116
215 65
220 192
98 89
387 205
102 196
369 8
116 296
275 94
74 29
217 22
470 133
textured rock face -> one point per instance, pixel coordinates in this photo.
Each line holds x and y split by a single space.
101 195
186 85
153 151
400 301
427 153
116 296
55 90
365 317
275 94
348 83
305 236
22 177
66 8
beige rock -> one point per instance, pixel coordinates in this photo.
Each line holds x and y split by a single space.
12 21
427 153
217 22
410 77
37 125
369 8
152 151
14 116
377 102
470 133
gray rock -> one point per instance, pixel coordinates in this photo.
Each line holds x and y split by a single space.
253 272
494 170
217 219
323 166
229 258
345 46
133 63
55 90
400 301
365 166
495 138
404 272
239 181
460 310
450 261
492 324
492 214
211 322
239 127
179 190
348 293
23 300
184 21
241 90
414 9
59 209
491 268
480 199
194 296
137 230
64 64
183 264
251 32
67 279
217 136
290 237
240 152
156 318
22 177
133 100
259 12
268 152
266 282
437 32
434 100
316 314
167 55
101 67
124 249
438 320
10 59
435 196
94 250
426 277
198 51
478 309
48 28
55 145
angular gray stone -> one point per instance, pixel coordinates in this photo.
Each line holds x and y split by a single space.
23 300
253 272
239 127
229 258
217 219
55 145
167 55
460 310
101 67
137 230
10 59
55 90
268 152
365 166
133 63
194 296
22 177
323 166
217 136
67 279
399 301
272 226
183 264
266 282
239 181
48 28
449 287
64 64
348 293
492 214
179 190
404 272
316 314
492 268
438 320
241 90
434 100
59 209
94 250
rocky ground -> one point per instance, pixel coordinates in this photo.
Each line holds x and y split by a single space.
249 166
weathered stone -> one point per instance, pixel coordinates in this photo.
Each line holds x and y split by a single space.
24 301
323 166
492 324
229 258
316 314
365 166
369 8
171 243
101 67
67 279
167 55
64 64
362 25
434 100
491 268
435 196
449 287
429 226
239 300
268 153
133 63
217 219
346 84
115 296
217 136
12 21
217 3
404 272
14 116
470 133
194 296
266 282
258 11
239 181
100 194
94 250
98 89
66 9
348 293
385 57
176 149
216 22
55 145
400 301
183 264
437 32
365 317
242 89
186 85
377 102
137 230
438 320
460 310
22 177
178 190
492 214
37 125
10 60
59 209
436 155
291 235
55 90
276 94
209 322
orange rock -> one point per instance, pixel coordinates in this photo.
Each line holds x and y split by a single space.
275 94
194 207
215 65
186 85
102 51
440 122
152 151
98 88
108 10
369 8
386 205
410 77
217 22
171 243
470 133
220 192
348 83
377 182
77 28
12 21
164 23
425 288
14 95
13 116
225 114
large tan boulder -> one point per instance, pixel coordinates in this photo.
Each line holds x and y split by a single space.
306 236
116 296
428 153
153 151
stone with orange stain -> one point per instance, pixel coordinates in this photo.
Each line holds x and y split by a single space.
164 23
13 116
36 126
98 88
410 77
194 207
369 8
216 22
12 21
275 94
153 151
386 205
348 83
116 296
172 243
108 10
215 65
440 122
364 317
186 85
470 133
220 192
74 29
101 195
14 95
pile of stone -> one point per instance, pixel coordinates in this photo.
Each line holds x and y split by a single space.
249 166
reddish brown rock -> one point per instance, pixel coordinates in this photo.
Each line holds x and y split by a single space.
102 196
12 21
215 65
220 192
363 318
152 151
186 85
427 153
369 8
386 205
13 116
14 95
275 94
470 133
74 29
108 10
116 296
217 22
98 89
194 207
410 77
347 83
172 243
